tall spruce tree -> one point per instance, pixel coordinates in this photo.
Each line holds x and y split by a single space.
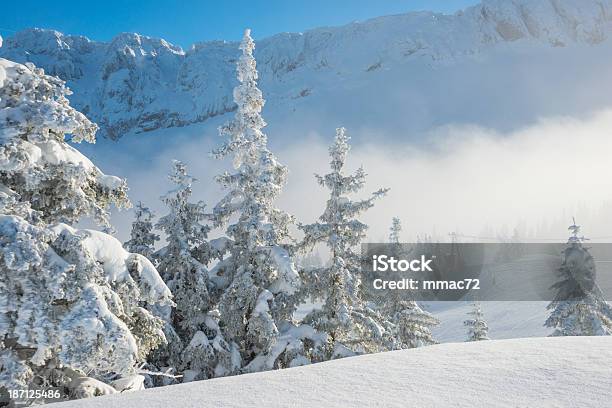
72 302
259 272
477 326
352 324
579 308
197 348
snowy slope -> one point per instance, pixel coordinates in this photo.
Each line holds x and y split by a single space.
136 83
506 320
543 372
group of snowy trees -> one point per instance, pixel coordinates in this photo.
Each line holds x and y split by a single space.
236 295
79 311
579 307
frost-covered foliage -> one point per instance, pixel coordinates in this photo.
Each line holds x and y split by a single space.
477 326
72 302
296 345
36 162
579 308
197 345
412 326
353 324
259 273
142 238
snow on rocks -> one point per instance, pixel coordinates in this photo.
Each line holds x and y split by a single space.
136 83
129 383
85 387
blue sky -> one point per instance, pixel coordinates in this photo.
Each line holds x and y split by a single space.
186 22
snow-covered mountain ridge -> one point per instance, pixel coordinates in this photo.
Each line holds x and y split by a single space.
497 373
136 83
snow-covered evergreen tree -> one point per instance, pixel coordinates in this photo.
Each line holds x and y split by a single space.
395 231
72 302
260 275
411 326
579 308
142 238
476 325
353 325
182 263
197 347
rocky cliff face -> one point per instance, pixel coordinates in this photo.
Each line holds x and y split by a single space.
136 83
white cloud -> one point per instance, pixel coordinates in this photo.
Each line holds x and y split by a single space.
463 178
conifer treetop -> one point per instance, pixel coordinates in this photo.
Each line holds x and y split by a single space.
259 177
246 127
396 228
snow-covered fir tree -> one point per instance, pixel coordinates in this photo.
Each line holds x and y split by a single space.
411 325
142 238
261 280
476 325
72 302
196 348
352 324
395 230
181 262
579 308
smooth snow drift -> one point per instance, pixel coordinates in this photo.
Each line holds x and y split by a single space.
560 372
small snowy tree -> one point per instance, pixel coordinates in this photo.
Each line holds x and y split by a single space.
197 346
353 325
477 326
579 308
71 301
395 230
260 274
142 239
411 326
